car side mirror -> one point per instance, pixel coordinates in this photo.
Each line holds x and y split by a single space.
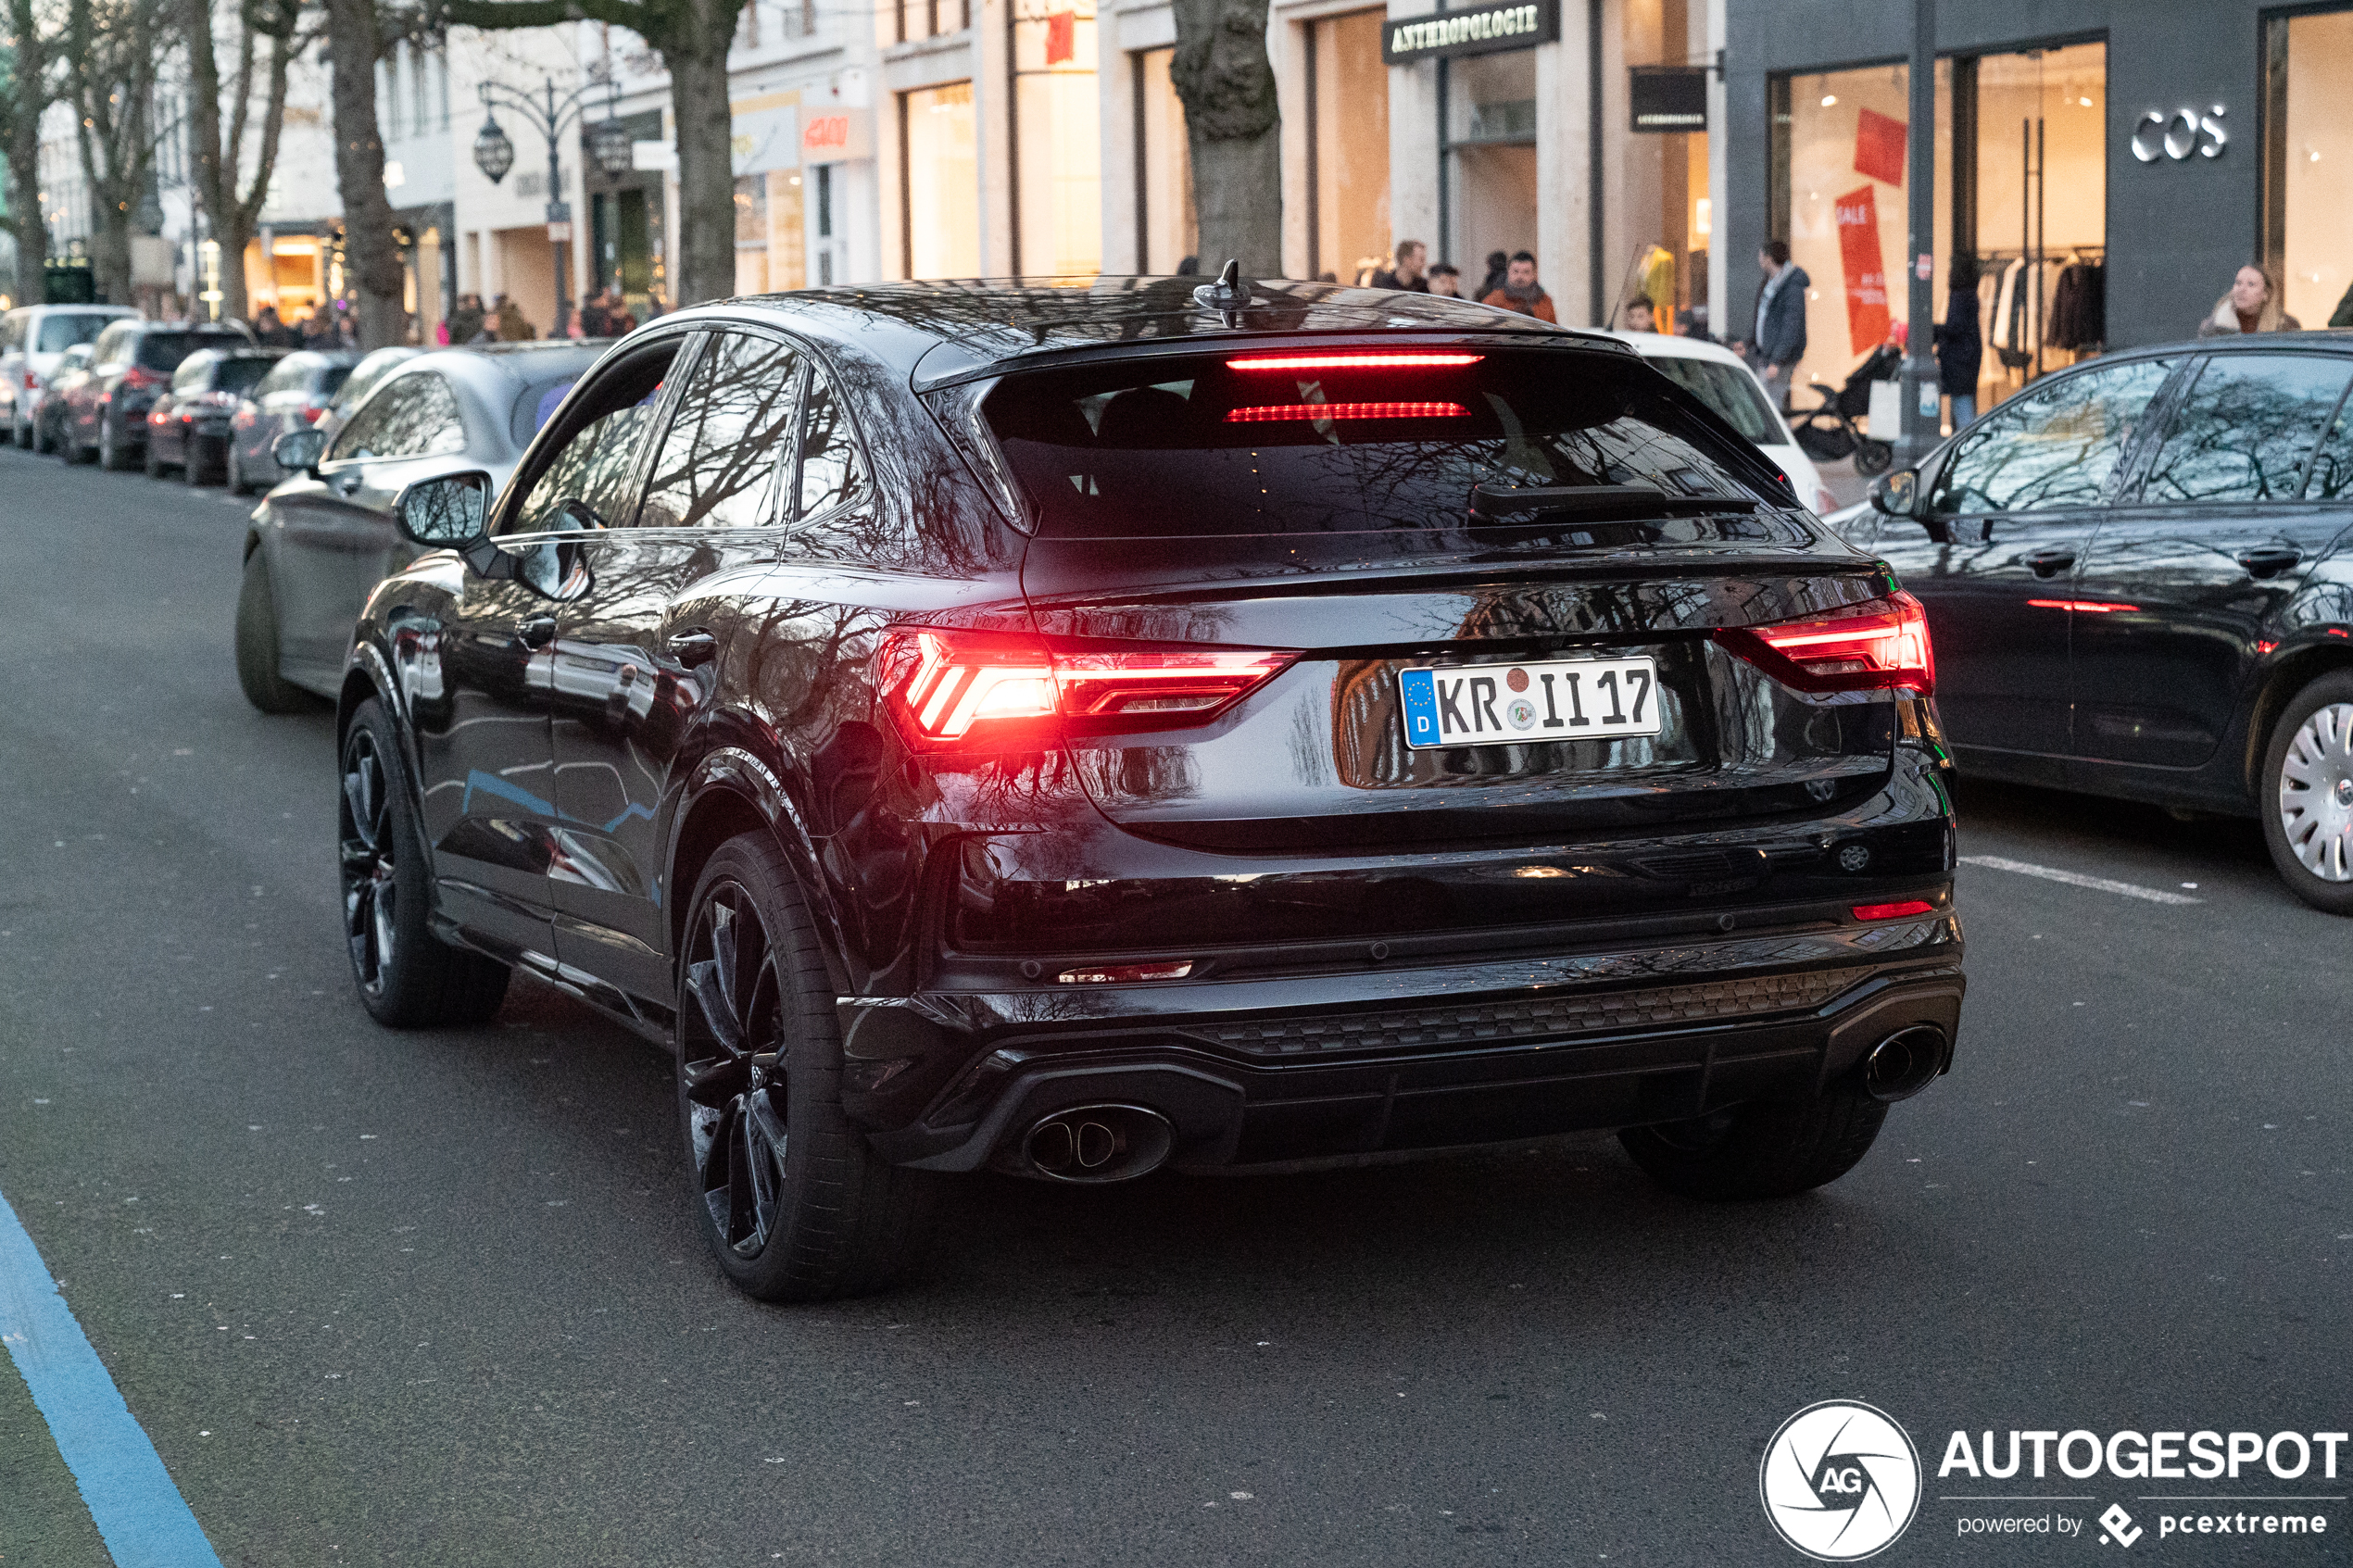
446 512
1899 494
300 449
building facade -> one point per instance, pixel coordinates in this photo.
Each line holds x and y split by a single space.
2128 155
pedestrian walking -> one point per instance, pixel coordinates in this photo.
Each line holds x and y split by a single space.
595 319
1405 271
2252 306
1779 341
1446 279
1498 265
1521 291
1959 343
465 322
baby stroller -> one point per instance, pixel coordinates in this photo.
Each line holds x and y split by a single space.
1827 431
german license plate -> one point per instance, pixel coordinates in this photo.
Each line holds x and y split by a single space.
1507 704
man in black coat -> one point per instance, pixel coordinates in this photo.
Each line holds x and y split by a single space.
1779 341
1960 345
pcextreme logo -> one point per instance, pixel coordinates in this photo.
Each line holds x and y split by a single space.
1839 1481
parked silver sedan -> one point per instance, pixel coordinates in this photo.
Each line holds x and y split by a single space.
293 396
321 541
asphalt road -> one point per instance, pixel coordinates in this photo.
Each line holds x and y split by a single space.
434 1298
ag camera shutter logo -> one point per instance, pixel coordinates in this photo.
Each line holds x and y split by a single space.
1841 1481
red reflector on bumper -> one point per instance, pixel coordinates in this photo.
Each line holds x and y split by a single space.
1894 912
1122 973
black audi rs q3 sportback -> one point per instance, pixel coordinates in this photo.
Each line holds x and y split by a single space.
1074 732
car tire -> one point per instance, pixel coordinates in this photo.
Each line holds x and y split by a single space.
792 1202
112 453
198 467
232 475
2306 795
151 460
257 648
69 451
407 977
1768 1149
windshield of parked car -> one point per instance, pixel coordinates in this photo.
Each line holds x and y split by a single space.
1729 392
1298 441
61 332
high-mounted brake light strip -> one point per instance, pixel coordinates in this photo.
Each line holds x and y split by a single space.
1269 413
1352 361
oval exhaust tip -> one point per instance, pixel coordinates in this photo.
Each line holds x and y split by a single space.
1098 1143
1904 1063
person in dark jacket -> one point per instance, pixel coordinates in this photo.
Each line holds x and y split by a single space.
1779 341
1498 264
1960 346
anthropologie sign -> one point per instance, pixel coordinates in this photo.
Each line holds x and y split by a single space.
1483 29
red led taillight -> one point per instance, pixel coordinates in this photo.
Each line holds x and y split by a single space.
949 686
1908 908
1375 361
1265 413
1877 646
138 377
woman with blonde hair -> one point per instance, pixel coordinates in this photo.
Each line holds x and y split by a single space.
2252 306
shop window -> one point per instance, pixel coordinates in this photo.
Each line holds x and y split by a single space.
1165 233
1661 197
1489 197
2020 160
939 182
1347 88
751 233
2308 181
1057 141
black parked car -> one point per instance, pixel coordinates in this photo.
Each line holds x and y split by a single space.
102 411
2137 578
1078 732
188 428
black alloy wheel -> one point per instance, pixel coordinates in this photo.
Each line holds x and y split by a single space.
791 1200
407 977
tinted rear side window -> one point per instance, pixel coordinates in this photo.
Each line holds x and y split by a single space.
236 375
1247 441
163 351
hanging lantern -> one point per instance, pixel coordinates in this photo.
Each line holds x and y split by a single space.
610 146
494 154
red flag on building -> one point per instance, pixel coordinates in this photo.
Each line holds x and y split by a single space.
1858 255
1062 37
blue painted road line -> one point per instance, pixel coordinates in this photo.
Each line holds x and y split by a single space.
140 1515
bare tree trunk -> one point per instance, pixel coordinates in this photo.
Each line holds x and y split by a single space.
214 154
28 96
706 160
112 61
1233 128
369 254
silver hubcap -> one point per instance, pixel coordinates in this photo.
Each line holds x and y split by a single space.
2316 793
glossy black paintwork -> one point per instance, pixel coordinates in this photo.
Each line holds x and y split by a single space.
1274 847
2234 607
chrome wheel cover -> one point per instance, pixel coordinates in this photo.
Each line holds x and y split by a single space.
2316 793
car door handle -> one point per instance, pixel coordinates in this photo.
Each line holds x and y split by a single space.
2269 560
693 647
2050 563
537 632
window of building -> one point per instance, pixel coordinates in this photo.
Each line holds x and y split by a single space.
1165 231
939 178
1347 92
2022 176
1057 140
751 233
2308 185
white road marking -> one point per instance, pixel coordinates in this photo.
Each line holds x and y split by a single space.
2077 879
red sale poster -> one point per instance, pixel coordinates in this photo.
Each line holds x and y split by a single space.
1858 255
1878 146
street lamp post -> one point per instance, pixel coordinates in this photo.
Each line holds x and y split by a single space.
608 145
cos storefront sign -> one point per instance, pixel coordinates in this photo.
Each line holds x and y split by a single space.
1484 29
2180 135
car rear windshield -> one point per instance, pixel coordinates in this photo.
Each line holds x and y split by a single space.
1368 438
1728 392
236 375
61 332
331 379
163 351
